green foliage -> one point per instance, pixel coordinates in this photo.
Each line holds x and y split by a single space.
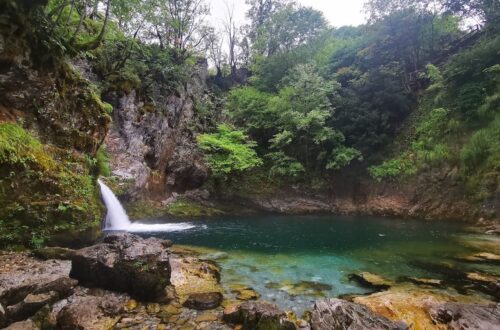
426 150
102 161
228 151
283 165
394 168
463 120
483 148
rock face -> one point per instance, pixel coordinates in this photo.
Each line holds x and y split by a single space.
466 316
341 314
152 142
30 285
258 315
125 263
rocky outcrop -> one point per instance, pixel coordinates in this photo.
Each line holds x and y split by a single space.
340 314
258 315
29 284
125 263
466 316
152 143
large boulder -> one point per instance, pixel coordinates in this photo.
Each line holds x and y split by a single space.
341 314
125 263
258 315
466 316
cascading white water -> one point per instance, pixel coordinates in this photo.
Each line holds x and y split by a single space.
117 218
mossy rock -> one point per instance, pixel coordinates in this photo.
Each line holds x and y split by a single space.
179 209
44 189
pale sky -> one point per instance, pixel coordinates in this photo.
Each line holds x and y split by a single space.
337 12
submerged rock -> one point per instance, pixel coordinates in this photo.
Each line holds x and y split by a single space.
466 316
484 256
371 281
244 292
425 281
203 301
340 314
125 263
258 315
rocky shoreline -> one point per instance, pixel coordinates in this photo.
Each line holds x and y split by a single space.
127 282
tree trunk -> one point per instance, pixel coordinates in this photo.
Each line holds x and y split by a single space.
97 41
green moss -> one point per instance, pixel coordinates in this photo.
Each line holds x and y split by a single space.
187 209
44 190
179 209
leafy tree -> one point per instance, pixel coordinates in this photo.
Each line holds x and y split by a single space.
228 152
259 13
288 28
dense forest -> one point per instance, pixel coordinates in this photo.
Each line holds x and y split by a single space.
289 101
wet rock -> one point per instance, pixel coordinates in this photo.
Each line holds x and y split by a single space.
484 256
425 281
370 280
466 316
294 205
244 293
341 314
493 230
131 305
125 263
91 309
206 317
23 325
486 283
258 315
3 317
153 308
171 310
203 301
60 253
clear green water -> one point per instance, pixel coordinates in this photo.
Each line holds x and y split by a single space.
274 254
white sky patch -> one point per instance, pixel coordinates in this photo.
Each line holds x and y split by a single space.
337 12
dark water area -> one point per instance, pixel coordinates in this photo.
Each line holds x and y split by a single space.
293 260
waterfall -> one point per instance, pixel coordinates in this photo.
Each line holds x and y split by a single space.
117 218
